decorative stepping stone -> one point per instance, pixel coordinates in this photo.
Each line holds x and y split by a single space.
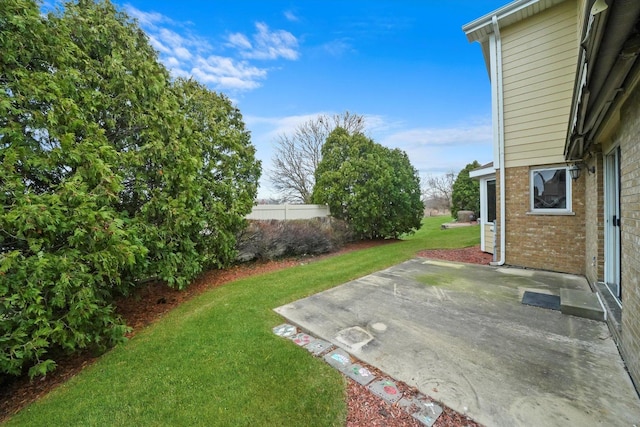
302 339
285 330
339 359
429 414
425 412
359 373
318 346
387 390
408 404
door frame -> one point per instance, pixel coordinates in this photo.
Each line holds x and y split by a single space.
612 223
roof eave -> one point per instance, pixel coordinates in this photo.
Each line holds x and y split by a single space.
593 103
481 28
485 171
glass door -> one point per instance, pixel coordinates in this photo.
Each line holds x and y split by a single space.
612 222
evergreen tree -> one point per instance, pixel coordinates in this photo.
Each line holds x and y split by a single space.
466 192
374 189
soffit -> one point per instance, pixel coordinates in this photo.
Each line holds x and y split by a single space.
611 47
516 11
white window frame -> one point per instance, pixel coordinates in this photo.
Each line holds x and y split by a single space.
568 209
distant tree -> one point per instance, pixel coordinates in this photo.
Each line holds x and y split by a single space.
374 189
466 191
297 154
438 188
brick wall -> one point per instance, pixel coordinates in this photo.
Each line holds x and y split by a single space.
594 218
547 242
498 229
629 139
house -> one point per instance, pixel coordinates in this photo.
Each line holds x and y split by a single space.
565 175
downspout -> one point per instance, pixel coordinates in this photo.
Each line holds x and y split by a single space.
498 123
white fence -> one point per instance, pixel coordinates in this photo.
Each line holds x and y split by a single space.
285 212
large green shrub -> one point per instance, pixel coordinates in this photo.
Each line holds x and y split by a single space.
109 174
374 189
465 195
209 185
63 243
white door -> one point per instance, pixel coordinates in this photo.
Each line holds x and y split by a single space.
612 222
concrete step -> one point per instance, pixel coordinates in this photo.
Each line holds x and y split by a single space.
582 304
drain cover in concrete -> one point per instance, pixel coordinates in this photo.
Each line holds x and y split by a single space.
354 337
388 390
339 359
285 330
425 412
359 373
318 346
302 339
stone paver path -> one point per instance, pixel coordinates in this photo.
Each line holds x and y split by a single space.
419 407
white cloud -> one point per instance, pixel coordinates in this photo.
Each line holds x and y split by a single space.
291 16
239 41
227 66
437 150
158 45
171 38
266 44
461 135
172 62
146 18
182 53
179 72
227 72
188 55
270 127
337 47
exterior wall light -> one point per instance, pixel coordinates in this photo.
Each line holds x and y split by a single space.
574 171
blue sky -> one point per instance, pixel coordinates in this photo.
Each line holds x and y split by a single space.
405 65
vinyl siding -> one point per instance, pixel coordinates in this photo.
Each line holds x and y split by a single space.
539 57
489 236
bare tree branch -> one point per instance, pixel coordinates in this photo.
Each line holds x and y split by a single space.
297 155
438 189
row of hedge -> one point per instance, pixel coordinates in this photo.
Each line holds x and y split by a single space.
268 240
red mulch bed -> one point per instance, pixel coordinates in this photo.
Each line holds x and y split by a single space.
471 255
152 301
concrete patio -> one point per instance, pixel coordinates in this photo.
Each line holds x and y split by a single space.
459 333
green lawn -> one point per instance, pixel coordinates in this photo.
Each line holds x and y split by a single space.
214 361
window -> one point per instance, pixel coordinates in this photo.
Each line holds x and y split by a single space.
550 190
491 200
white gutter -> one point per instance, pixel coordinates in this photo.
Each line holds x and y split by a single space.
497 97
